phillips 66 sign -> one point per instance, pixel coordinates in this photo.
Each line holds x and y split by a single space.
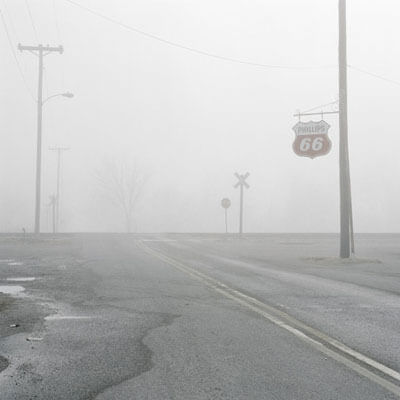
312 139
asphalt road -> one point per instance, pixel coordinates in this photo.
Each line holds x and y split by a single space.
199 317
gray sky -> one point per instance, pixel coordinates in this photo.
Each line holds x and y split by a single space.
189 121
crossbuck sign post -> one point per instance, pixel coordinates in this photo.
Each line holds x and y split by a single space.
242 184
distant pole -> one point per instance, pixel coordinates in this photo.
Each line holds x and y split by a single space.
40 51
241 210
241 183
226 220
53 203
345 195
39 141
59 151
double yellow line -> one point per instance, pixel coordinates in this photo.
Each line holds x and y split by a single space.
363 365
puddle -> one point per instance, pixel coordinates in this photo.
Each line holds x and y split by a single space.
11 289
22 279
34 339
3 363
159 240
15 263
6 261
66 317
296 243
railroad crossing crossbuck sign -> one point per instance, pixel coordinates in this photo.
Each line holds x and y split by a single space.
312 139
242 180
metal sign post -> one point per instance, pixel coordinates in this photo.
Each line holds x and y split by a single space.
226 203
241 183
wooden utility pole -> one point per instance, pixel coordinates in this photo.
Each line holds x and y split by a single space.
345 194
53 204
59 151
40 51
346 209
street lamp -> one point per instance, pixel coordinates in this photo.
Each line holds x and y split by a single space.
69 95
40 104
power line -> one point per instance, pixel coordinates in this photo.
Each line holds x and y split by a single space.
374 75
59 34
357 70
192 49
32 21
363 71
15 57
202 52
10 19
56 22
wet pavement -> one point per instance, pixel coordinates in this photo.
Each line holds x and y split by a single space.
106 319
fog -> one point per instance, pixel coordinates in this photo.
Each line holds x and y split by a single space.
187 121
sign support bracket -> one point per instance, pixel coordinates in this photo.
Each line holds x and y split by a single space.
298 115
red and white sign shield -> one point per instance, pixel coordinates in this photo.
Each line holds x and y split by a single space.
312 139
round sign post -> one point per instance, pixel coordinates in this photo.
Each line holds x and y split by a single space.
226 203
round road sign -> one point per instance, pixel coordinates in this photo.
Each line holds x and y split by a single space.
225 203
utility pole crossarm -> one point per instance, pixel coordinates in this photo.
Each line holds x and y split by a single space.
47 48
58 148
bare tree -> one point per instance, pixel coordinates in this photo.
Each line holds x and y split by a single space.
122 185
